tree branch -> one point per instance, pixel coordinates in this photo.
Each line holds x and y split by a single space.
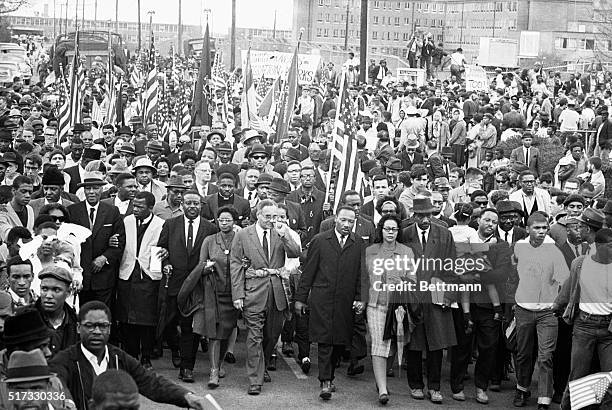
10 6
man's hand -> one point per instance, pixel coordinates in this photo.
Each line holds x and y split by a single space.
326 206
113 242
98 263
239 304
281 229
300 308
358 307
198 403
162 254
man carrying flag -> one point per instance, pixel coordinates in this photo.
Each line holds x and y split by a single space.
587 301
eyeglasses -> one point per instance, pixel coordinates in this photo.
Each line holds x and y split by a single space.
31 168
308 176
58 218
389 229
532 181
225 221
270 217
500 181
259 157
90 327
387 211
483 204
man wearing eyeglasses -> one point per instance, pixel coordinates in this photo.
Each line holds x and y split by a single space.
80 364
259 158
530 197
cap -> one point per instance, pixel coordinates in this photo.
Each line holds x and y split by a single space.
56 272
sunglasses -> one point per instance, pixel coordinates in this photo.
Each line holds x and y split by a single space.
59 218
259 157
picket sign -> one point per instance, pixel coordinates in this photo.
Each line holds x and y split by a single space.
411 75
476 78
271 64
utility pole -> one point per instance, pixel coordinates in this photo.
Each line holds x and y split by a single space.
76 15
139 29
151 13
363 42
66 19
95 14
54 21
233 37
494 12
83 15
274 27
180 28
346 27
116 16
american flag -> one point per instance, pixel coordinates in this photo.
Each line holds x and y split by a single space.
164 118
184 119
64 110
217 81
110 117
136 75
70 111
589 390
151 99
344 148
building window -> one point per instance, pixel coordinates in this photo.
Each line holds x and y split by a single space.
377 4
375 19
406 36
320 3
374 50
418 6
407 5
319 32
337 18
426 8
587 44
417 22
397 21
375 35
335 32
320 17
327 17
342 33
398 5
425 21
326 32
396 36
440 38
406 20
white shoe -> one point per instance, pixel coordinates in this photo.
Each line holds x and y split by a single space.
459 396
481 396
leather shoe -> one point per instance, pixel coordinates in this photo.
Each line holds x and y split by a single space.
326 391
417 394
287 349
305 365
146 363
230 358
267 378
176 359
186 375
354 369
272 364
390 373
254 389
520 398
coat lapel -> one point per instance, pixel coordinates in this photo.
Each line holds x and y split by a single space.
256 243
99 218
181 232
414 241
13 215
199 237
332 238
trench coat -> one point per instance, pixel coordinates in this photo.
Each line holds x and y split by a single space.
437 330
330 283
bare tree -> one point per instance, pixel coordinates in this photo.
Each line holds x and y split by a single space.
602 21
10 6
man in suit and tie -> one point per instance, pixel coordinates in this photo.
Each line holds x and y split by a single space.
278 191
439 164
311 201
363 228
530 197
526 154
17 212
510 214
77 172
53 188
100 262
380 189
138 285
181 239
249 191
331 285
436 332
409 156
226 197
127 187
257 257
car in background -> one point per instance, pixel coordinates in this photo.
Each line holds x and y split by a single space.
14 53
8 71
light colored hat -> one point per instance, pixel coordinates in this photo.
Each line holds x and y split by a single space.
143 162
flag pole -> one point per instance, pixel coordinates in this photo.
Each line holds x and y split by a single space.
333 156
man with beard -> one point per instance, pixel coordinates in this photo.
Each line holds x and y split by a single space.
181 239
81 363
60 318
100 262
52 189
17 212
226 197
126 190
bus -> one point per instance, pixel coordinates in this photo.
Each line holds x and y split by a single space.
92 44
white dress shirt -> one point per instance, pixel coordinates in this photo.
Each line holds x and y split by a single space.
420 233
89 207
196 225
502 234
98 368
122 205
260 232
339 236
254 199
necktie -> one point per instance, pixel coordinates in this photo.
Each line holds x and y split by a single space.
265 245
190 237
506 237
342 241
527 157
250 195
92 215
577 250
423 240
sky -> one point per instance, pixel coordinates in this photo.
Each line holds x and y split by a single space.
249 13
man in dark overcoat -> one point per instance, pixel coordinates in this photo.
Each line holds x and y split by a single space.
330 284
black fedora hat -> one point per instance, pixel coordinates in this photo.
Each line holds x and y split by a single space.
279 185
264 179
26 326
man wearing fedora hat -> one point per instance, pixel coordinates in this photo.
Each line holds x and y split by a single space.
29 372
154 150
127 152
429 240
171 206
259 158
144 171
100 262
77 172
249 138
409 155
53 190
510 215
573 206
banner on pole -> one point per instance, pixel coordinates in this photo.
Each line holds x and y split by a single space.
271 64
476 78
411 75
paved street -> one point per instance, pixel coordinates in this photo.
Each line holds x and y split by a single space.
292 389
